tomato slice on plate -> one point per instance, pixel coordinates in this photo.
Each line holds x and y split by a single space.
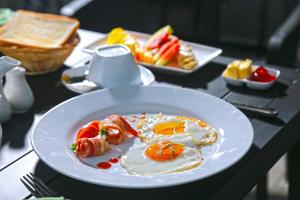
95 124
89 131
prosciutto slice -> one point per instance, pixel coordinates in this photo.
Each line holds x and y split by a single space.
115 134
117 128
122 123
95 146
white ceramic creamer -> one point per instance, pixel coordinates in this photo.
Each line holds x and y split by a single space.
6 64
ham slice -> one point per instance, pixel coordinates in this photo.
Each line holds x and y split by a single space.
90 143
122 123
95 146
117 128
115 134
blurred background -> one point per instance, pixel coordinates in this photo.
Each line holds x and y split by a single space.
266 30
51 6
263 30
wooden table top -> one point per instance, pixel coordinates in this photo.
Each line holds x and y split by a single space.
273 137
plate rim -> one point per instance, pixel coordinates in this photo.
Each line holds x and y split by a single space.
69 174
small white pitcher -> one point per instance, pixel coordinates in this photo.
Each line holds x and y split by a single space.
6 64
17 91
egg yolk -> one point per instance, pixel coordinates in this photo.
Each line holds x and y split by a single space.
169 128
200 123
164 151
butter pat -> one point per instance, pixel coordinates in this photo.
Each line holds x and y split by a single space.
232 70
239 69
245 69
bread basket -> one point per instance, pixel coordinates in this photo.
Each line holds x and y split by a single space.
40 60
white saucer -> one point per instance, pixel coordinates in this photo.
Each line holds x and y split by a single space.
146 76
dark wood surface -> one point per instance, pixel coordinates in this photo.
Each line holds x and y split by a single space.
273 138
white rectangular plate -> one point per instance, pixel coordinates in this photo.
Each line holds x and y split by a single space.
203 54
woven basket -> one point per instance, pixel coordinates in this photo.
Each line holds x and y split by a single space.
38 60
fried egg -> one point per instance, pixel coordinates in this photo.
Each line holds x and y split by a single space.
201 135
156 156
162 125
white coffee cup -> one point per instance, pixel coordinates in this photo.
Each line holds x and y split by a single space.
113 66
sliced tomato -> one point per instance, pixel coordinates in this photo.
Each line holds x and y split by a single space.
87 132
95 124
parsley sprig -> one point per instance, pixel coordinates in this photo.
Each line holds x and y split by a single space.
104 132
73 146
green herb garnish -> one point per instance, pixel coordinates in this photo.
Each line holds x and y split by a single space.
104 132
181 144
73 146
169 146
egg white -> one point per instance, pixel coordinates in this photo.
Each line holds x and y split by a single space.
146 132
201 135
137 163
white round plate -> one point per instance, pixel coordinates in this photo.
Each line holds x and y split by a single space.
56 131
84 86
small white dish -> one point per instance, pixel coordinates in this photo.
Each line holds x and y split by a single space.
253 84
84 86
232 81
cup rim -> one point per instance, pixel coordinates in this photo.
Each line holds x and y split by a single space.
112 46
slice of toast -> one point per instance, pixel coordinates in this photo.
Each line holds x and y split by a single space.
38 30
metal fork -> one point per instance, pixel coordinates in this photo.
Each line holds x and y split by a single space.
37 187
